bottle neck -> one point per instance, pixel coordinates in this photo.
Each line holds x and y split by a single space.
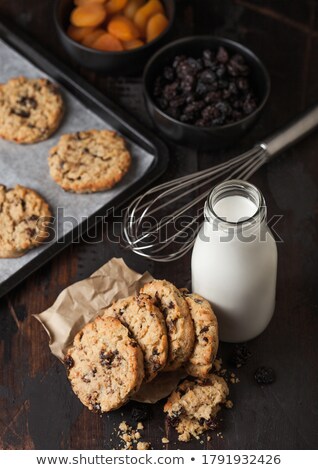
235 206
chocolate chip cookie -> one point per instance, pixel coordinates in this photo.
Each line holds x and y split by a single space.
178 320
147 326
89 161
206 335
30 109
24 219
105 365
193 406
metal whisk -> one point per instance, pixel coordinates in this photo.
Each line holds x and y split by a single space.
150 230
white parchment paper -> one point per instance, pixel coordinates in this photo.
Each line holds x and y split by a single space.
27 164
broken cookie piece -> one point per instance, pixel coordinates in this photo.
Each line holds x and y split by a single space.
193 406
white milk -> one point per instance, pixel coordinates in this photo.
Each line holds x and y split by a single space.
235 208
234 261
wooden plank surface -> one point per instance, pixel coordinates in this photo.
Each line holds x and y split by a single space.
38 409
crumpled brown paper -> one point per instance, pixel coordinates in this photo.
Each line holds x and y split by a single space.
80 303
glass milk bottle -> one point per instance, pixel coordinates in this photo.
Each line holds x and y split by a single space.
234 260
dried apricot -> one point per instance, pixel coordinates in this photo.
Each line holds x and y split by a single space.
145 12
107 42
78 34
90 38
80 3
123 28
155 26
88 15
114 6
131 8
128 45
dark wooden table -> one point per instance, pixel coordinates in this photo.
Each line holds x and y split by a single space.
38 409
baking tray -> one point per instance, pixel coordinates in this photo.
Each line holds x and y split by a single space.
87 108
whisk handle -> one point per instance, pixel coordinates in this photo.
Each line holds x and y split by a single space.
292 133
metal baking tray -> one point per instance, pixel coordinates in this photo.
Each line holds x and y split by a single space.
86 108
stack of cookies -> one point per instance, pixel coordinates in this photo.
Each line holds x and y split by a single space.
161 329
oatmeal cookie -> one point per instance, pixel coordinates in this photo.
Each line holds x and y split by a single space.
24 218
206 335
30 109
193 406
178 320
105 365
89 161
147 326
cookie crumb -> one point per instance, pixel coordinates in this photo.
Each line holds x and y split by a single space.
164 440
143 445
131 436
123 426
217 365
229 404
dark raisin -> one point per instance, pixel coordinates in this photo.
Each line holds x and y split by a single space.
33 217
222 55
173 420
140 414
207 76
177 102
69 362
239 355
201 88
264 375
168 73
177 60
86 379
97 407
204 329
21 112
31 232
220 71
212 97
107 358
170 91
28 101
157 301
212 424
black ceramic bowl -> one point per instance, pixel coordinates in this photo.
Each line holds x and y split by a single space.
203 137
115 63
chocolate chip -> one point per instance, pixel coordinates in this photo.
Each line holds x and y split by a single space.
171 304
